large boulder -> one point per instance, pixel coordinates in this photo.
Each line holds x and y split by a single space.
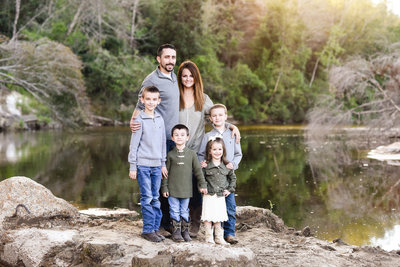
40 247
22 197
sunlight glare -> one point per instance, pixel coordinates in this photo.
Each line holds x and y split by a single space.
393 5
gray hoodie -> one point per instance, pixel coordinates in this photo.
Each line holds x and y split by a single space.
169 93
148 144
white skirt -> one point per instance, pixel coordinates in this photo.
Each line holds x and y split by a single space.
214 209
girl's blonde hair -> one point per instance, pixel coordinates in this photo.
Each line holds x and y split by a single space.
197 87
212 141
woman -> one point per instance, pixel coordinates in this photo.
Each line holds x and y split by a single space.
193 103
194 106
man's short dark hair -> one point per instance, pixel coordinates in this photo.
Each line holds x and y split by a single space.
179 127
150 89
164 46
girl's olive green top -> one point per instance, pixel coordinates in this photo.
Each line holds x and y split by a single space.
219 178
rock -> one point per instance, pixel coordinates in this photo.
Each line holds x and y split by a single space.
340 242
200 254
40 202
87 240
252 216
102 252
119 246
40 247
306 231
109 214
103 120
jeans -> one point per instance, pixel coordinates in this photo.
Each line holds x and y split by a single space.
229 226
165 221
178 207
149 180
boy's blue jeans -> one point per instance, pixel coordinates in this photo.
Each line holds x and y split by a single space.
178 207
149 180
229 226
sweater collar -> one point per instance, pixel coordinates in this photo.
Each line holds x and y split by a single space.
226 128
184 150
161 76
145 116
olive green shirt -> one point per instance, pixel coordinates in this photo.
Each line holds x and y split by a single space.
219 178
181 165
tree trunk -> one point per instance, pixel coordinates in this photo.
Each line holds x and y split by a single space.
133 25
76 18
17 9
99 18
314 72
50 7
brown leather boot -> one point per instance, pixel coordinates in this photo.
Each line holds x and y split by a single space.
185 230
176 234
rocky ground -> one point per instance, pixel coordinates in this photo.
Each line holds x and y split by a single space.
54 233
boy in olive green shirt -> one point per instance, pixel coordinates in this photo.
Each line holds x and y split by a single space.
182 163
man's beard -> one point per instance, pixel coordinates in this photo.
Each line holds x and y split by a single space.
169 70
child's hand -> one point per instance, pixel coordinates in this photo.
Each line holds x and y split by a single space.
164 172
165 194
133 175
226 193
230 165
203 164
203 191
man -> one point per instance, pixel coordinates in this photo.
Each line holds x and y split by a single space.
164 78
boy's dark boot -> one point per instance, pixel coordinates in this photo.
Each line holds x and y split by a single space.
185 230
176 234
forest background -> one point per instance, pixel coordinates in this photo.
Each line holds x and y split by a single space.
269 61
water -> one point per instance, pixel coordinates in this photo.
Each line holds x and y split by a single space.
330 186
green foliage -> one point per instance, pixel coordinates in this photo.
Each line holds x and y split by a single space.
180 25
241 87
267 60
115 80
271 205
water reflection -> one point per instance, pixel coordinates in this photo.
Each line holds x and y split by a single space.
390 241
329 185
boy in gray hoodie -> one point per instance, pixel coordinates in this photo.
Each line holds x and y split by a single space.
147 156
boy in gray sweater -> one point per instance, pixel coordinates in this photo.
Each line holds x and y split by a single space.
147 158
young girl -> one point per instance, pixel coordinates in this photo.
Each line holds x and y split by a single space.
221 182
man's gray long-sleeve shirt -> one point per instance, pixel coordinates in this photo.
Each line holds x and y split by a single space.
169 93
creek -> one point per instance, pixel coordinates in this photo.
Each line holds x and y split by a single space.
330 186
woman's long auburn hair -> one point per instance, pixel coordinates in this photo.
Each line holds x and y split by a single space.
208 149
197 86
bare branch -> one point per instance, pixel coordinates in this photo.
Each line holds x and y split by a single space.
133 23
17 10
76 18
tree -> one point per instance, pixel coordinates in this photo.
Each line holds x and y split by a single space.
51 73
364 91
179 23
